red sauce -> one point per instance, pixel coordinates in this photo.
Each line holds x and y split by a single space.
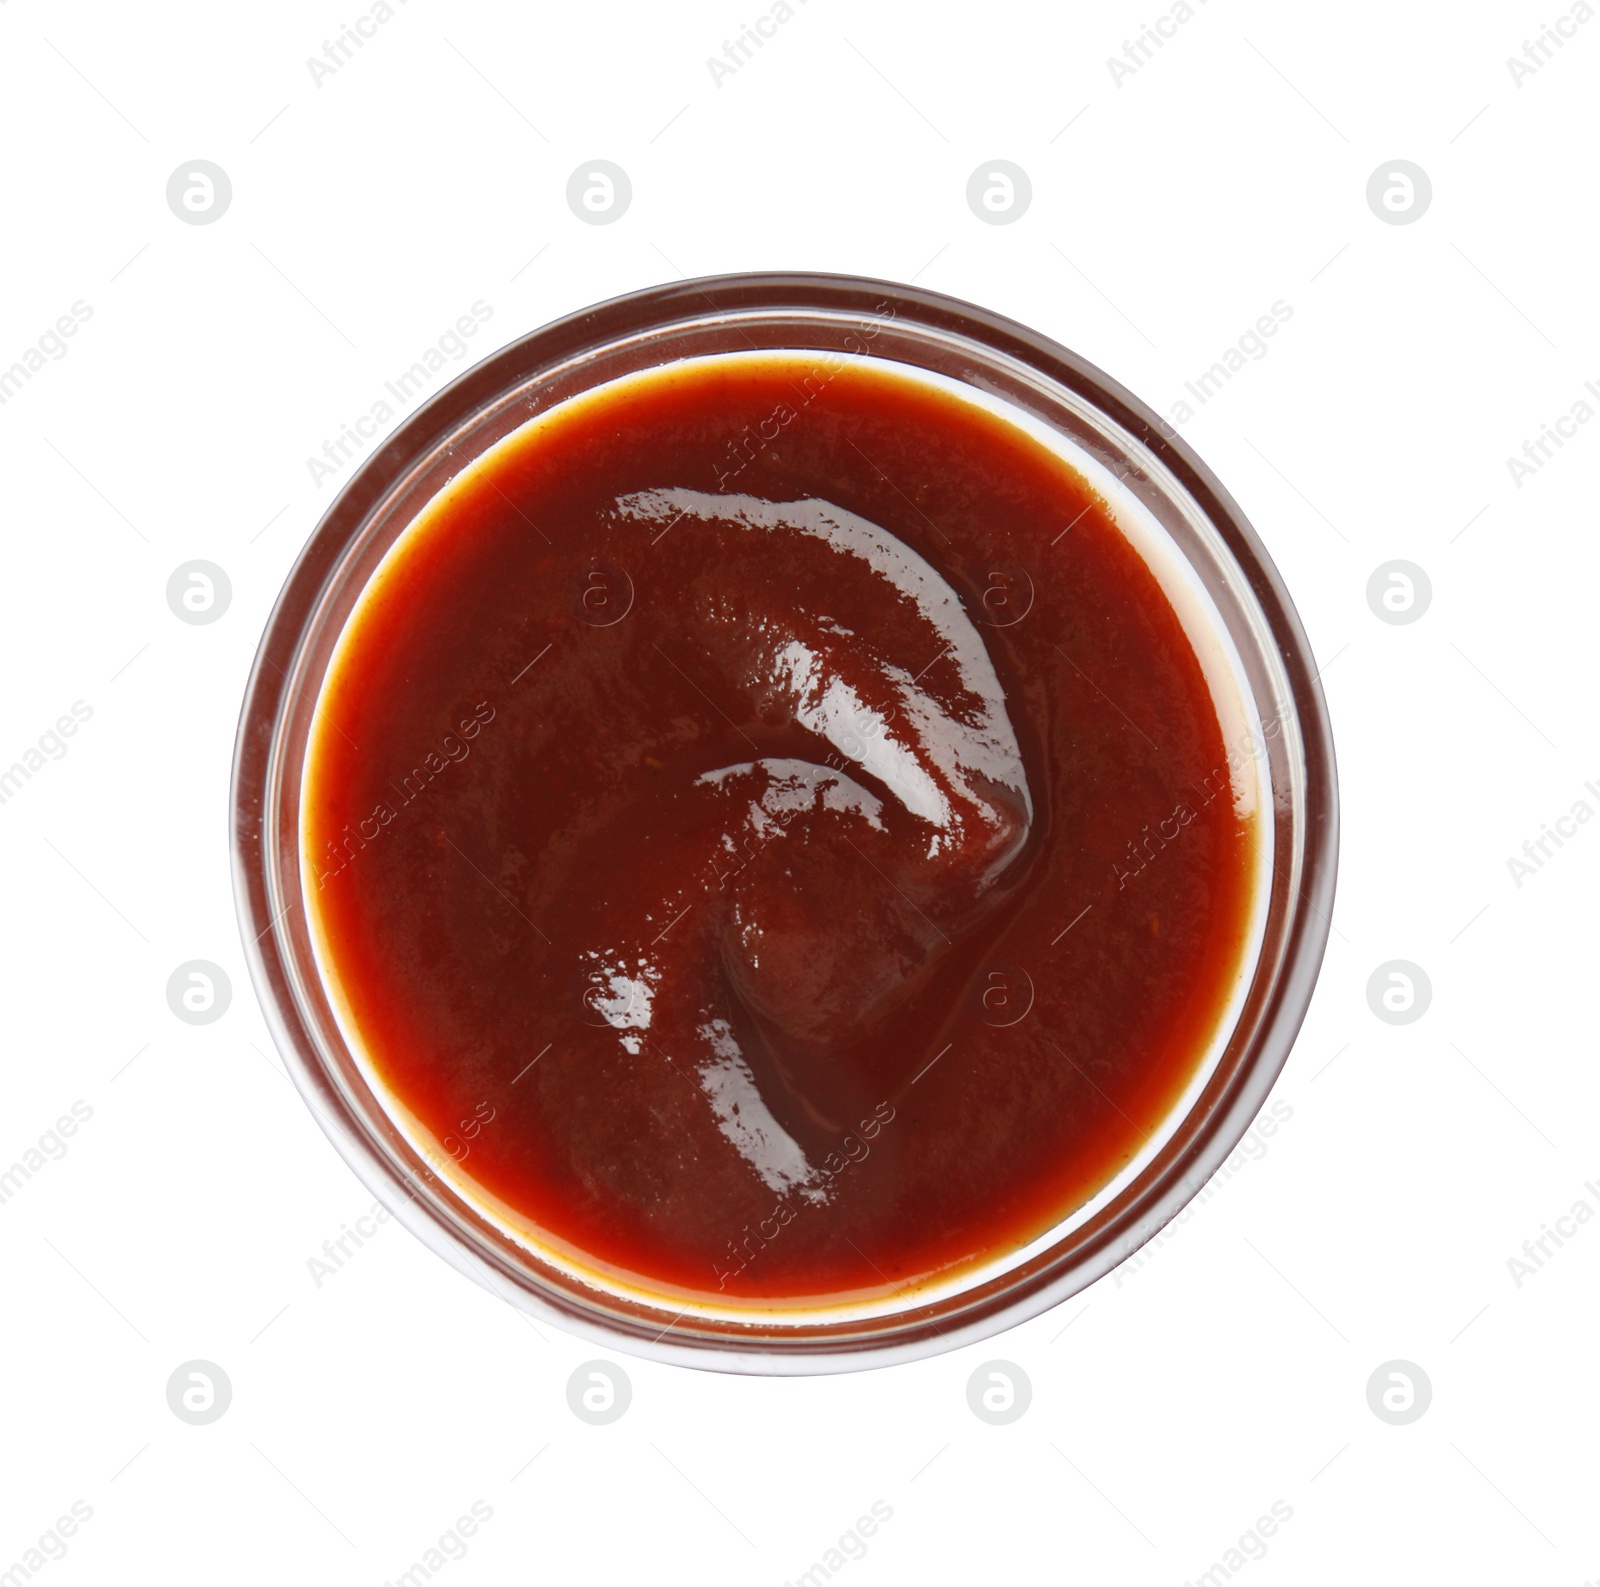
769 826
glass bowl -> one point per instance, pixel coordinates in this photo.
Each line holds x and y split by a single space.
1146 469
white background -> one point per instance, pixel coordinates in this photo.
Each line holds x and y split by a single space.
1171 1407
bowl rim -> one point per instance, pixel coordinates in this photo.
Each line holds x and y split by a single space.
1144 1208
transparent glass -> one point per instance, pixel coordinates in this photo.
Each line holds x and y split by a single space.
852 318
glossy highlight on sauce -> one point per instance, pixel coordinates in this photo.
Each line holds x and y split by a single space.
771 835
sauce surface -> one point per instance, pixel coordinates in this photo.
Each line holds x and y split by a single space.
768 827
